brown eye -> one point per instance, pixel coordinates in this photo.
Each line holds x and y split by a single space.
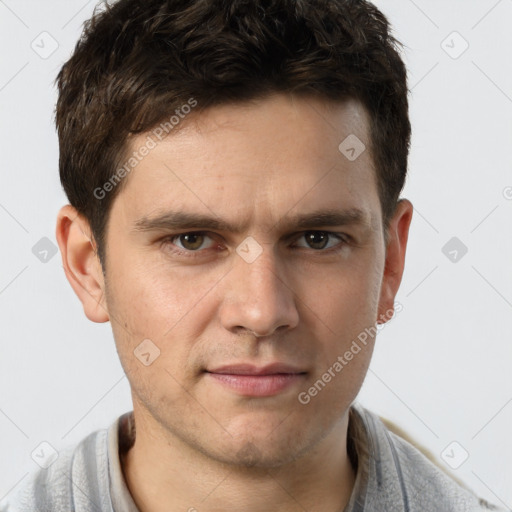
191 241
320 240
317 239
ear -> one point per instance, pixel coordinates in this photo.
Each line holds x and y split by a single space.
398 233
81 263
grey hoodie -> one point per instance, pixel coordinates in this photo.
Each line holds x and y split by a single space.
392 476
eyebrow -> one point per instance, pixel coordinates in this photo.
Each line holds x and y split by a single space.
179 220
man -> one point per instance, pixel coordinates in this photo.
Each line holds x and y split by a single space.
234 171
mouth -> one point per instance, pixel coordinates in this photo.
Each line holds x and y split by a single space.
254 381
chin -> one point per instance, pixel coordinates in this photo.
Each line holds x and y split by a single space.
255 456
265 448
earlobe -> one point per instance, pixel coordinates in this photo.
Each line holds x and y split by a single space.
81 263
395 259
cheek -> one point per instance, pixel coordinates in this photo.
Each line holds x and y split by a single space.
347 299
148 295
151 300
348 306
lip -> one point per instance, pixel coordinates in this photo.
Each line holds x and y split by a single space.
257 381
250 369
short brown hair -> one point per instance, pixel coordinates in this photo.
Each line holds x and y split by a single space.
137 61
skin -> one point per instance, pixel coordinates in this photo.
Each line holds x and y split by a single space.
200 445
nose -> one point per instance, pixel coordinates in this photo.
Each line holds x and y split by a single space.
257 297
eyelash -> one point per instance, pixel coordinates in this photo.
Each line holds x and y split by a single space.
168 241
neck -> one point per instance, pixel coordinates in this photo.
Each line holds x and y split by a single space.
165 474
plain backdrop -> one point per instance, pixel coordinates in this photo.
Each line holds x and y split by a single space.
442 367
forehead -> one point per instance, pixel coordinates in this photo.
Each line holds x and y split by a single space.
258 159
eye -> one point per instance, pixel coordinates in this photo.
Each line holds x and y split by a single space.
318 240
191 241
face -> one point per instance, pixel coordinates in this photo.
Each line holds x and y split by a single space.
249 251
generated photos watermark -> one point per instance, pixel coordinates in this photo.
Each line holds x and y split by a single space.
342 361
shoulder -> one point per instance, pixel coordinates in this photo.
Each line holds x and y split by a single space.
77 481
403 477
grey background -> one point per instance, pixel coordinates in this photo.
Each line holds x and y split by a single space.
441 369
